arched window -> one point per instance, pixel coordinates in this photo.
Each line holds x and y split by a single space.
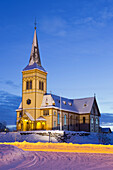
42 85
64 119
71 120
92 120
83 120
58 117
30 84
96 121
27 85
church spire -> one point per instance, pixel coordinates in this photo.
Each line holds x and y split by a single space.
35 55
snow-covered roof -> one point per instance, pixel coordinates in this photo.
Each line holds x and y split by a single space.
41 119
105 130
34 66
30 117
80 106
20 106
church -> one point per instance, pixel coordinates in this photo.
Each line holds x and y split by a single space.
40 110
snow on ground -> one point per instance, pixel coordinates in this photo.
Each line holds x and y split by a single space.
12 158
69 137
89 138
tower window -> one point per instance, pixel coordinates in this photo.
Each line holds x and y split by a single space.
31 84
41 85
83 120
27 85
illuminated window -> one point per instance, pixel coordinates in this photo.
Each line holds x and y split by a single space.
31 84
58 117
92 120
64 119
83 120
97 121
46 112
64 102
27 85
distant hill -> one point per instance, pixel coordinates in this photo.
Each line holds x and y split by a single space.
8 104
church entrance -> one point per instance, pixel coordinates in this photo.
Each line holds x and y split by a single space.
41 123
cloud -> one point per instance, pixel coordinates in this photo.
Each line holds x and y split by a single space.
54 25
11 84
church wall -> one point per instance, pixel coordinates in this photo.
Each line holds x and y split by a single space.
48 119
94 119
84 126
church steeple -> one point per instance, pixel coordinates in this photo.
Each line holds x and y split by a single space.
35 55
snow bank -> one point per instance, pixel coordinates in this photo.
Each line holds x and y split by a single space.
10 154
16 136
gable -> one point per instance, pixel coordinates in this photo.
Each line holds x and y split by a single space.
95 109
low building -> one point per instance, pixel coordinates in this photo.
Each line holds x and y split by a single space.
41 110
106 130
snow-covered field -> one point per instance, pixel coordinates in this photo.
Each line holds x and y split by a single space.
13 158
70 137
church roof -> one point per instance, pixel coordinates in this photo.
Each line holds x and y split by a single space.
80 106
34 66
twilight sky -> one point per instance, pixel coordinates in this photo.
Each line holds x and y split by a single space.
75 41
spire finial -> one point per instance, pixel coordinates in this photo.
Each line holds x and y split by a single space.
35 23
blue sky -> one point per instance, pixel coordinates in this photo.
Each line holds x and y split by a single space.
75 41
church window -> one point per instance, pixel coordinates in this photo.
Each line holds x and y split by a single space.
64 119
27 85
31 84
84 120
45 112
97 121
39 85
20 115
28 101
76 121
42 85
64 102
58 117
54 123
70 104
54 113
70 120
92 120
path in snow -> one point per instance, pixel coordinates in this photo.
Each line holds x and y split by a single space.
13 158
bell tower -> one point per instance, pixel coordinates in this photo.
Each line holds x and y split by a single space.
34 85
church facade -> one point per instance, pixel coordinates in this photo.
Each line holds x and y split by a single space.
40 110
